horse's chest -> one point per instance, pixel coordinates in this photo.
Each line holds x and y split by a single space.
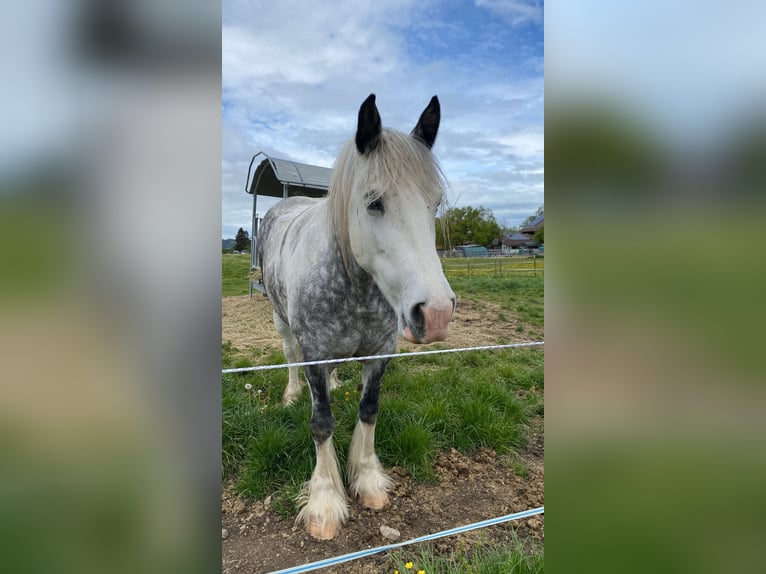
336 321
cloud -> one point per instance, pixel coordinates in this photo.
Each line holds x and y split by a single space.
293 91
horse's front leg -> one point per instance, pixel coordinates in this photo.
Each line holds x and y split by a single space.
366 477
323 499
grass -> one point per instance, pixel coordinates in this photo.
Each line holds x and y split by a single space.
484 272
235 272
29 270
521 297
509 558
427 405
493 266
465 401
521 469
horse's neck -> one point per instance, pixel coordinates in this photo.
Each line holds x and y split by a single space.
361 283
359 280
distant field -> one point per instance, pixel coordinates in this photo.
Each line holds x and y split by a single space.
235 270
492 266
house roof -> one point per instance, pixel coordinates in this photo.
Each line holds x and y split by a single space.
273 173
535 224
516 237
518 240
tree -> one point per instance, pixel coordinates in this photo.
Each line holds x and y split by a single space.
539 235
242 241
466 225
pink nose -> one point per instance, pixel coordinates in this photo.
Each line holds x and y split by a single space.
430 322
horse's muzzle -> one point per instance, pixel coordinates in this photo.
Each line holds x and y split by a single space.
429 322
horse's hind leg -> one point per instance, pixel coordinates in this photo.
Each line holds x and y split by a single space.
323 500
335 382
366 477
293 355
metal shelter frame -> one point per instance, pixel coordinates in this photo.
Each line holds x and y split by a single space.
275 177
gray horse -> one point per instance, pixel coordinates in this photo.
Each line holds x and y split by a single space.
348 274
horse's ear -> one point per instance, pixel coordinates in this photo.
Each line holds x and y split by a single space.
369 126
428 124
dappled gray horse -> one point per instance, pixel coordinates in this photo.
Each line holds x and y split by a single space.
346 275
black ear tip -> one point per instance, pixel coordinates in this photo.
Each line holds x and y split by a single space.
368 127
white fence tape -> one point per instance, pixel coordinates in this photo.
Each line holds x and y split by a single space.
389 356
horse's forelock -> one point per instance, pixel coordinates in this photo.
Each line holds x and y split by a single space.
397 159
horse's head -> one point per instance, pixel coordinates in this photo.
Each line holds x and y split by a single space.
393 188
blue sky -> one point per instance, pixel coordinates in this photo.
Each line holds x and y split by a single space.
294 78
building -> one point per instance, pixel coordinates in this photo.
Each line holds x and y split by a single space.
524 239
473 250
275 177
534 226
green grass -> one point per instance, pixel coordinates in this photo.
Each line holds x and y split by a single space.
505 287
465 401
28 225
508 558
521 297
493 266
427 405
521 469
235 272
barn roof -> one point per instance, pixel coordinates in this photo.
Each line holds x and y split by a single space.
516 237
273 173
536 222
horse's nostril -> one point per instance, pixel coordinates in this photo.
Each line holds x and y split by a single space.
416 316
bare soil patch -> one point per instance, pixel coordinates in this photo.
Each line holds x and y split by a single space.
249 325
468 488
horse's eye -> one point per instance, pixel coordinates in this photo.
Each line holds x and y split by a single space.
376 206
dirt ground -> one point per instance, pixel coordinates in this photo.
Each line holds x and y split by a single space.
248 324
468 489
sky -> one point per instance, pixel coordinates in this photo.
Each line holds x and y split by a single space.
295 74
690 69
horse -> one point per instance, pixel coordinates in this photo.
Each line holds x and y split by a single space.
349 273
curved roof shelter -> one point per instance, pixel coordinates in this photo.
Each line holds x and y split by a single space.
275 177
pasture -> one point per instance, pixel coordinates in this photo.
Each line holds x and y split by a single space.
460 434
493 266
236 268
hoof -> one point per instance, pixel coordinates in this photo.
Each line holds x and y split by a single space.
375 501
321 531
